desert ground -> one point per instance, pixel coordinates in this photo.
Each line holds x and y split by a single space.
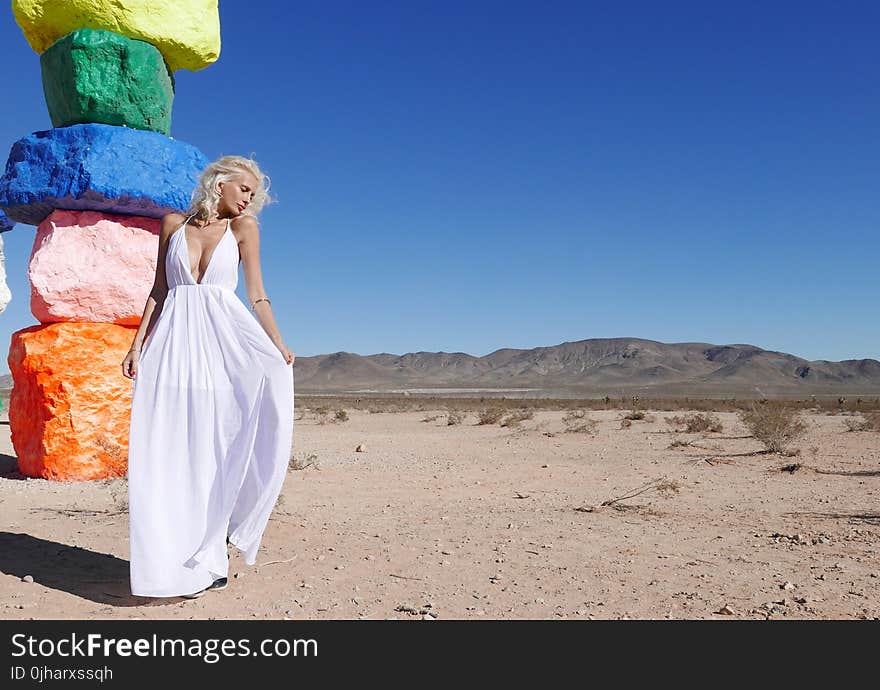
553 516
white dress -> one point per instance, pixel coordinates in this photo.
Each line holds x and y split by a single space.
211 429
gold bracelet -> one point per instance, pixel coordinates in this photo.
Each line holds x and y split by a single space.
262 299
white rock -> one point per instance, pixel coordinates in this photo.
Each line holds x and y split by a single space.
5 294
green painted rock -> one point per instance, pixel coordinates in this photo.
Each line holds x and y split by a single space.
96 76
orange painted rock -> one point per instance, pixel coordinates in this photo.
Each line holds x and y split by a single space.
70 405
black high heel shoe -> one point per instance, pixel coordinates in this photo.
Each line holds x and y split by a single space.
216 585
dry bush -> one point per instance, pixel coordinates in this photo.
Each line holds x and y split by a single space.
696 423
625 423
577 422
663 485
321 413
490 415
119 493
297 464
573 415
774 424
669 487
589 426
454 417
515 418
341 416
678 443
869 421
634 415
431 417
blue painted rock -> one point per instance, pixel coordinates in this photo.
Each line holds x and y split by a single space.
99 76
97 167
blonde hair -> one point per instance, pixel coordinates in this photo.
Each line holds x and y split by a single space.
205 197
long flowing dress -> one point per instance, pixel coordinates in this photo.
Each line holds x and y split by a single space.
211 429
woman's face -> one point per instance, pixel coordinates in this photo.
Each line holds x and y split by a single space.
236 194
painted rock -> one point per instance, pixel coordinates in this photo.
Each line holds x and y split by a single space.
89 266
186 32
5 293
96 167
70 404
98 76
5 224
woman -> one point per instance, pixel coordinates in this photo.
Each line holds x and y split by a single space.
212 406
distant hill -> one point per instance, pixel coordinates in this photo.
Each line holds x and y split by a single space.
598 366
594 367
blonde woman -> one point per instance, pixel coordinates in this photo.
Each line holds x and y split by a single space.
212 407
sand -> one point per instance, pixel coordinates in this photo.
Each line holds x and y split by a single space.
483 521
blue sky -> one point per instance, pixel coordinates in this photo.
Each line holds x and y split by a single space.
466 176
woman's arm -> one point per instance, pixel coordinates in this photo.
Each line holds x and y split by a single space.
159 291
248 232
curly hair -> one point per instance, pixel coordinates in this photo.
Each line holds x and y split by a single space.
205 196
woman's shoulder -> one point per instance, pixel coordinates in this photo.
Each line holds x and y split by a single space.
245 225
173 217
171 222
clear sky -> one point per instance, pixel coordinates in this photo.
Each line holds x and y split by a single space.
466 176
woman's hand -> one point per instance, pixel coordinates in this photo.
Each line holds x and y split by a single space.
130 363
286 353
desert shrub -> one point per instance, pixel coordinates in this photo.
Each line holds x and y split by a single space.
515 418
586 426
341 416
774 425
577 422
668 487
297 464
490 415
625 423
454 417
696 423
869 421
634 415
431 417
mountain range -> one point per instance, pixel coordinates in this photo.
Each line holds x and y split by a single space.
597 366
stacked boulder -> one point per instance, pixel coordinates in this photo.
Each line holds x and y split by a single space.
5 294
96 185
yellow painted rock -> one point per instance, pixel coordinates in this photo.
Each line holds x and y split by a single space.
70 405
186 32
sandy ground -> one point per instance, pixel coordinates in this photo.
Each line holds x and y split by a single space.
471 521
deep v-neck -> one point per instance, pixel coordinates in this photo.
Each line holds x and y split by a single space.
210 258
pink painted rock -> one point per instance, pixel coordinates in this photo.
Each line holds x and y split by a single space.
70 405
93 266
